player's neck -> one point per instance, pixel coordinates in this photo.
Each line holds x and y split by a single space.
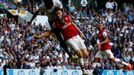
101 30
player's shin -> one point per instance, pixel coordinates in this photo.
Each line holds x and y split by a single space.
124 63
81 60
85 56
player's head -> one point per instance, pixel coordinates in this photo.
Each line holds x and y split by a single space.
48 3
100 26
58 13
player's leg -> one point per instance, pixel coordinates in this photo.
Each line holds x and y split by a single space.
73 44
81 60
83 49
85 56
98 56
71 55
111 56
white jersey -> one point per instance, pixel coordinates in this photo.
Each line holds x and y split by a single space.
49 12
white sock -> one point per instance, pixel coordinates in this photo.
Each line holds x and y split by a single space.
118 60
124 63
81 61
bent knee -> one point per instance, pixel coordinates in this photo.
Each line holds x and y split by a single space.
85 53
79 53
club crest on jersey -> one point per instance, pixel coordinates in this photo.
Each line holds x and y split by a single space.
66 18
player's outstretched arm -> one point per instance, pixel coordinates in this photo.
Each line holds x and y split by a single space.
45 34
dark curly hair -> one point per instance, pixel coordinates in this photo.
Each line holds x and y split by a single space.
57 9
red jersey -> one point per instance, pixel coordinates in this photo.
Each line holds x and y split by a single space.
102 35
67 29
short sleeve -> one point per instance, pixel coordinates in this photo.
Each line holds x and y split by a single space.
105 34
67 19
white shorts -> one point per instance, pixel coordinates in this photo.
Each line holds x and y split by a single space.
104 54
76 43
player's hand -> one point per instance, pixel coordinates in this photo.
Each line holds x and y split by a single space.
98 45
36 37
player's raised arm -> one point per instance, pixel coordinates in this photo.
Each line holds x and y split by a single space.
41 9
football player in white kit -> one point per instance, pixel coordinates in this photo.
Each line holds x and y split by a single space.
48 7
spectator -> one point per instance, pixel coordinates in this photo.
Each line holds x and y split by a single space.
109 5
72 7
84 4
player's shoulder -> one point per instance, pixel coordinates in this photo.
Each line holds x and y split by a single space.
67 18
104 33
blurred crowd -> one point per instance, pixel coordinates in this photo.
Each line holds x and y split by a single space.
18 50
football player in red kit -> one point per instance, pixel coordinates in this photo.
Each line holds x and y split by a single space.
105 49
71 36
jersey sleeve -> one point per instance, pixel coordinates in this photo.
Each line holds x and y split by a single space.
59 4
104 34
67 19
41 7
